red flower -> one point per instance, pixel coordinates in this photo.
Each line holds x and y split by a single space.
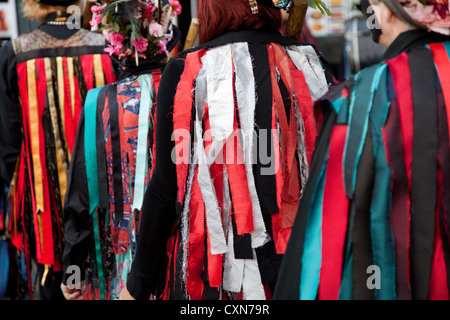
441 6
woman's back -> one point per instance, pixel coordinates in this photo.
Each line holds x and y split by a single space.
235 133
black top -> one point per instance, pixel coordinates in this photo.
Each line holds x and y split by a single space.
10 140
159 211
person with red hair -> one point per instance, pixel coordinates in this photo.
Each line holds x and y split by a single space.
235 132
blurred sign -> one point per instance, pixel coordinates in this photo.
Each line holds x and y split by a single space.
8 20
322 25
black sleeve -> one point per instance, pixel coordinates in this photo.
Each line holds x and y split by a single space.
10 114
77 221
147 275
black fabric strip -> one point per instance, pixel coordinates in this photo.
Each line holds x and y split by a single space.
101 151
59 52
242 244
361 235
356 129
264 182
400 195
424 166
116 151
288 283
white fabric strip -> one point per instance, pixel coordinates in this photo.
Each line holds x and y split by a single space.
233 270
145 83
246 100
252 286
242 274
219 71
305 58
213 212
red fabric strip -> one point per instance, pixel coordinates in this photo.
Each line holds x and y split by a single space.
291 187
156 77
196 247
442 62
46 215
280 235
78 106
334 219
182 116
399 68
87 63
438 282
23 89
399 210
215 262
107 68
237 177
68 115
306 106
17 204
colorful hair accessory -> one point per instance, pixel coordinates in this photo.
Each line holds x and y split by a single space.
434 14
138 28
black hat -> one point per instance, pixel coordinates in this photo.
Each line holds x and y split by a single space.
63 3
140 30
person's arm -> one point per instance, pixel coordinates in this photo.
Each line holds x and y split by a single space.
10 114
158 218
77 221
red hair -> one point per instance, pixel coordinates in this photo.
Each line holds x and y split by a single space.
219 16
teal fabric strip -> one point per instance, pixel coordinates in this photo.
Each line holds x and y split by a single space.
366 82
312 253
381 234
98 255
383 246
90 147
90 153
447 47
346 289
338 103
145 83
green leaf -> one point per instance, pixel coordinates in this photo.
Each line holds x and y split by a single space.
116 26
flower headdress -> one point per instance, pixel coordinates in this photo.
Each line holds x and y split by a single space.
433 14
136 28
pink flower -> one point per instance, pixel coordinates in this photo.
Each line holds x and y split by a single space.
113 50
96 9
163 46
116 38
151 7
148 11
107 34
140 45
96 20
155 29
176 6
